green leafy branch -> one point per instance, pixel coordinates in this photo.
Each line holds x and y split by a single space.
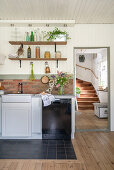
52 35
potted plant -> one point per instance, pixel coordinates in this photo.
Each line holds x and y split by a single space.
57 35
61 79
78 91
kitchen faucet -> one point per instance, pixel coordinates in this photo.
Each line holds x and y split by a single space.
20 91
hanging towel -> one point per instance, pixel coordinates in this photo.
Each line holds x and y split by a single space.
47 99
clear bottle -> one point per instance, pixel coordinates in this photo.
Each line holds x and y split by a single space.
38 35
35 36
27 36
42 35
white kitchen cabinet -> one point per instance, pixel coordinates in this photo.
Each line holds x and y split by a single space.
0 115
16 119
36 115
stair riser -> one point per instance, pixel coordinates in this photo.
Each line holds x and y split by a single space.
87 88
88 95
83 85
79 81
87 91
86 108
87 103
88 99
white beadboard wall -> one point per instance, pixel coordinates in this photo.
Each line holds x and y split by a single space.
82 35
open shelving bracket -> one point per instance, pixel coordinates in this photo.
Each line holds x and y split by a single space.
55 46
57 63
20 63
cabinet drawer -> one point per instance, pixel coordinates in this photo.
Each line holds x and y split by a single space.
16 99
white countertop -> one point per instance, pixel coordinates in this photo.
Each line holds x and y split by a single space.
66 96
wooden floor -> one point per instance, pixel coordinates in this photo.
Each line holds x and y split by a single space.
94 150
87 120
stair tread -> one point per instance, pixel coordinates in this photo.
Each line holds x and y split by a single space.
88 90
85 106
88 101
88 93
88 97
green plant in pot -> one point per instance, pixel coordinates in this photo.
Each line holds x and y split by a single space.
78 91
57 35
61 80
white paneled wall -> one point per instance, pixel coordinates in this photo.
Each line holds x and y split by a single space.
82 35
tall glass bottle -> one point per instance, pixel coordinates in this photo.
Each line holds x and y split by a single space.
29 52
27 36
35 36
32 36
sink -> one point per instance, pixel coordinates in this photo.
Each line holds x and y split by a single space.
16 98
16 94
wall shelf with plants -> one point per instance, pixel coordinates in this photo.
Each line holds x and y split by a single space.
55 37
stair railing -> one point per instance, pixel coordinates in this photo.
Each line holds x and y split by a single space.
87 69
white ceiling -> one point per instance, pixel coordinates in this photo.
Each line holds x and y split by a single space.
82 11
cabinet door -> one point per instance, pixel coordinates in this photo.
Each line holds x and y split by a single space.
0 115
36 115
16 119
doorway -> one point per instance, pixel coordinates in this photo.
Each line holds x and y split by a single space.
92 88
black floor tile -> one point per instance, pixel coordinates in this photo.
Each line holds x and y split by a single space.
61 156
36 149
52 150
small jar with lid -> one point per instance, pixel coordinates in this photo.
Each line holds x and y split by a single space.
37 52
57 54
47 54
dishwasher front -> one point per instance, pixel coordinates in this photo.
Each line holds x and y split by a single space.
56 120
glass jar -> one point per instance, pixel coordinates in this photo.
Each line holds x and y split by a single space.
47 54
37 52
57 54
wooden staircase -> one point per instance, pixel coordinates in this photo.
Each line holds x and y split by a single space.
88 95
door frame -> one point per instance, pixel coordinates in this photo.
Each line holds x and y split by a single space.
74 85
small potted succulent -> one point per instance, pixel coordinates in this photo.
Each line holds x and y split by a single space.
78 91
57 35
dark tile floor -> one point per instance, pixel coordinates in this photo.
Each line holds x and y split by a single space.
36 149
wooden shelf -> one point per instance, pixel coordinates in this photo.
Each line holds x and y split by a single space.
62 59
38 42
